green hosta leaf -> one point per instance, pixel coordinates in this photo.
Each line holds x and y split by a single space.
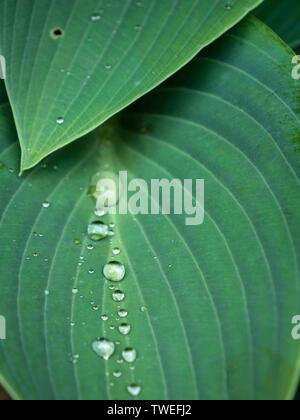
71 64
283 17
210 306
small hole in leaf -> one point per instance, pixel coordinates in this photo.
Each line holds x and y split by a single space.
57 33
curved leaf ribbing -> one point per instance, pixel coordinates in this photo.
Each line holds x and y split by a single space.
71 64
220 297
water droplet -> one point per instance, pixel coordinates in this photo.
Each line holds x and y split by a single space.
117 374
96 17
118 296
74 291
138 27
104 348
97 231
60 120
75 359
228 6
124 329
90 247
91 271
123 313
134 390
108 66
47 293
104 318
129 355
144 309
114 271
46 204
100 213
116 251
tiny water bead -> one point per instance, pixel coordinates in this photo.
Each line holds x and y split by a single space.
74 291
114 271
75 359
134 390
96 17
129 355
97 231
104 348
228 7
123 313
144 309
116 251
46 204
100 213
124 329
118 296
91 271
117 374
60 120
104 318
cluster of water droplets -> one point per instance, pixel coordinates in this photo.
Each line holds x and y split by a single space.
114 274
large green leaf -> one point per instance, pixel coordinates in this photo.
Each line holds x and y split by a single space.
283 17
111 53
220 297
